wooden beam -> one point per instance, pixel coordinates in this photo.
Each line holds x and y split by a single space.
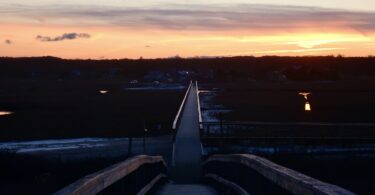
290 180
96 182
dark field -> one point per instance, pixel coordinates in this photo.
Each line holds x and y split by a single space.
65 109
330 102
23 174
50 100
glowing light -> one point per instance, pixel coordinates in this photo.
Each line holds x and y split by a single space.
307 104
103 91
4 113
307 107
304 94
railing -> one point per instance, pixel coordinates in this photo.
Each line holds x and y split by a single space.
199 106
259 123
250 174
177 118
137 175
287 132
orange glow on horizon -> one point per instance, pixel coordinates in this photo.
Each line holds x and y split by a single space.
116 42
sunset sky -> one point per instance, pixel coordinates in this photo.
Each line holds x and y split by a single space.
164 28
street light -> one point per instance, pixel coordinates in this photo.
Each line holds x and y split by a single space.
307 104
103 91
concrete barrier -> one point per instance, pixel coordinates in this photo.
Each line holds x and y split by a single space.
97 182
288 180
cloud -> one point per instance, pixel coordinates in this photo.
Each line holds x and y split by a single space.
230 16
65 36
8 42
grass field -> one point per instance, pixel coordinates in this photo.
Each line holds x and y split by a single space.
24 174
65 109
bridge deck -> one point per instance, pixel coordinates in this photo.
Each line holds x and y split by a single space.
186 168
188 148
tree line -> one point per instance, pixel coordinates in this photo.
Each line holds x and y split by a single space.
212 69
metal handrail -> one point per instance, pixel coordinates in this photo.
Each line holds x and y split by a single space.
97 182
290 180
261 123
199 106
177 118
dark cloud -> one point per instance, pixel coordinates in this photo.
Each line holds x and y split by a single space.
247 16
65 36
229 16
8 42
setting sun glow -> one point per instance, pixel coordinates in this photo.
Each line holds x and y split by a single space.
164 28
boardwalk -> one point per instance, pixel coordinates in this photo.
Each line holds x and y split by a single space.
188 149
187 153
186 168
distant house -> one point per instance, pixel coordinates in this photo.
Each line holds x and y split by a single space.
183 72
210 74
133 82
155 76
75 73
113 72
35 74
184 75
276 76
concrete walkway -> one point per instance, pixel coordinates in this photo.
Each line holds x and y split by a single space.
186 189
187 150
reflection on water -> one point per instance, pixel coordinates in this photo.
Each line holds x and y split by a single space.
4 113
307 106
103 91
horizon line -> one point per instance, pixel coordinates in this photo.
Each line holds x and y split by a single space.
194 57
